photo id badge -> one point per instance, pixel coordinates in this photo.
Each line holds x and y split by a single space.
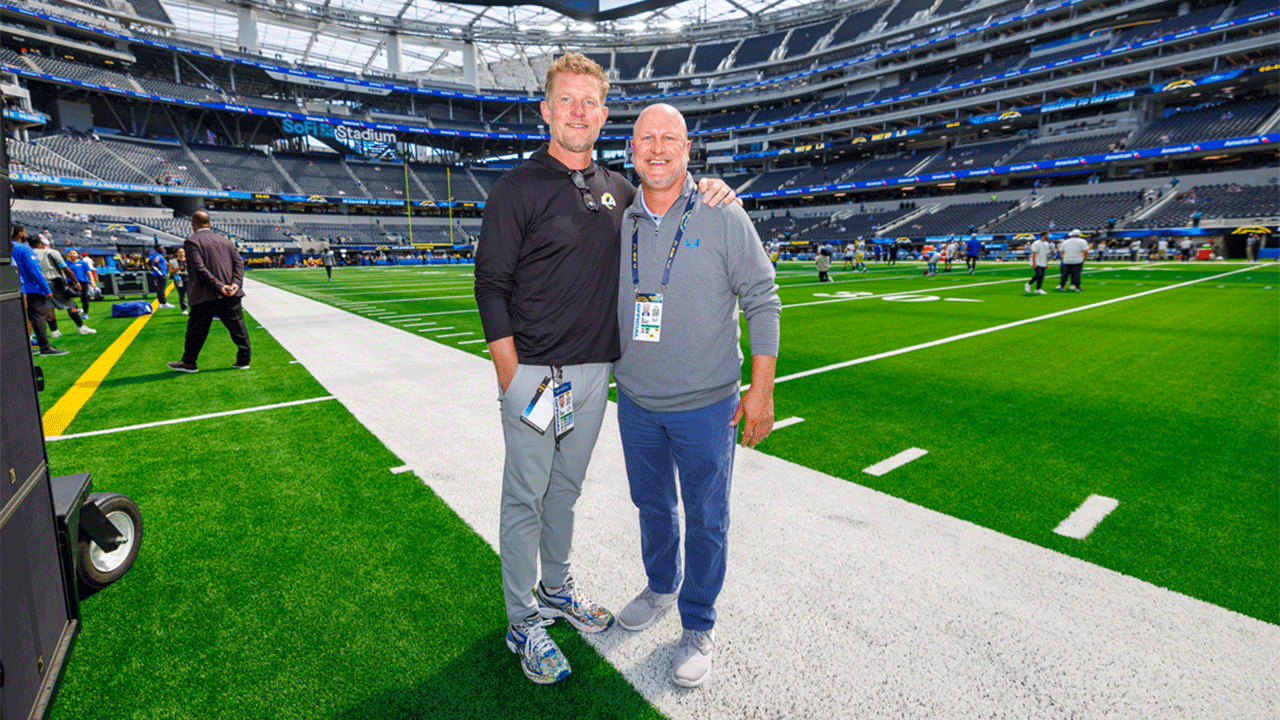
564 409
540 409
648 325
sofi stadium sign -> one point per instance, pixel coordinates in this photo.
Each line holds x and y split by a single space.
343 134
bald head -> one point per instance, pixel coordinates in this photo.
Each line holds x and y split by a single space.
669 111
660 149
200 219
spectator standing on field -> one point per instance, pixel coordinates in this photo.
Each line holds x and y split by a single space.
328 263
35 288
86 276
679 301
1038 253
1184 249
972 251
1073 249
1253 245
180 278
216 272
158 275
64 286
546 285
823 262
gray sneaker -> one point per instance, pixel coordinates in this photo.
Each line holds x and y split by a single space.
692 663
641 612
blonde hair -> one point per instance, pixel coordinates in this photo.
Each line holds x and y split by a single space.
579 64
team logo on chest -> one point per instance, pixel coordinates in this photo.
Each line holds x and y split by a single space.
608 201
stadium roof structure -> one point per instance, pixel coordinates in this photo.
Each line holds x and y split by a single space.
436 39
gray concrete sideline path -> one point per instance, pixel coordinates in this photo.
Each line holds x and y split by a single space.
840 601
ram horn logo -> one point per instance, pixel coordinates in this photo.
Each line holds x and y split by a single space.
608 201
1180 84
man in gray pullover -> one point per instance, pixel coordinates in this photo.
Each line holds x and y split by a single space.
686 269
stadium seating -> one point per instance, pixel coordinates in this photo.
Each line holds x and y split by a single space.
851 226
160 164
668 61
707 58
1070 147
630 64
904 10
242 169
804 39
954 219
1085 212
356 233
855 25
38 159
319 175
756 50
385 180
1209 123
971 156
1071 52
1217 201
1206 16
93 157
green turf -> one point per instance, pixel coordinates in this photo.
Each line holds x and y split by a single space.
1167 402
285 572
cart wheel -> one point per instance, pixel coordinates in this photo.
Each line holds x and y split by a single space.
99 568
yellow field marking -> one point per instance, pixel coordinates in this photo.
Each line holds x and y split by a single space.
57 418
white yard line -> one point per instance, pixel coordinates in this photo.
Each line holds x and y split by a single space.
189 419
1080 523
897 461
469 342
436 329
455 334
789 421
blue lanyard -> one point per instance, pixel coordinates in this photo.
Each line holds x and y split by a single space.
671 256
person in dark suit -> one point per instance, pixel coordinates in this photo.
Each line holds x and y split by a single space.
215 272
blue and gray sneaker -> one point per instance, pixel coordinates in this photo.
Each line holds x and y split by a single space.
540 657
568 603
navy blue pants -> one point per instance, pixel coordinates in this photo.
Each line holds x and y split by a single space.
698 446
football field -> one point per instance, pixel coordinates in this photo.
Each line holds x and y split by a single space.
1156 386
286 573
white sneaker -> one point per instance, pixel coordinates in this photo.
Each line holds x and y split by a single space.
167 305
184 312
1026 288
1041 292
55 333
86 330
647 607
692 663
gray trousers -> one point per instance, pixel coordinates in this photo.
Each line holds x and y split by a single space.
541 481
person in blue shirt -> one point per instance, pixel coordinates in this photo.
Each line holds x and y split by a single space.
972 249
85 273
35 289
159 276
